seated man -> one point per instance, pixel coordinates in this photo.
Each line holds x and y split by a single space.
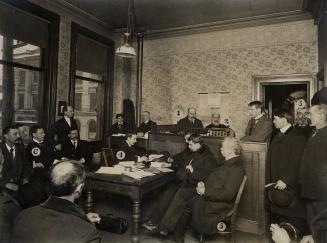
215 123
77 149
199 167
215 197
119 127
259 128
190 121
178 163
127 152
58 219
40 155
147 125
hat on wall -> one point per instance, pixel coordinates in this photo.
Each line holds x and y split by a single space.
320 97
282 198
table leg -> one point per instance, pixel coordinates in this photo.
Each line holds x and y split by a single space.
136 221
89 201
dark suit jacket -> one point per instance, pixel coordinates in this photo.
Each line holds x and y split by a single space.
13 171
313 174
40 153
148 127
283 162
220 191
56 220
261 131
184 124
82 150
114 129
123 152
61 129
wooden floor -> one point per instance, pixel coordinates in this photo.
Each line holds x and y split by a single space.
121 207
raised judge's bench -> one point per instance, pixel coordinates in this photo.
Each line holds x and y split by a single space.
252 217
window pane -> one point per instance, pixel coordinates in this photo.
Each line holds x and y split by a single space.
89 98
12 50
26 97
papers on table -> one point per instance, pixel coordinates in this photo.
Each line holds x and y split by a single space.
116 170
155 156
160 165
129 169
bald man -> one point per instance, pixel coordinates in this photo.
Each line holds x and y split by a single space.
190 121
58 219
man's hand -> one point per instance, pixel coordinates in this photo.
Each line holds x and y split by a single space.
58 147
93 217
279 235
170 160
200 189
280 185
11 186
307 239
82 160
38 165
190 168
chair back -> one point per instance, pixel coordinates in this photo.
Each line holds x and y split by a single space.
107 157
233 212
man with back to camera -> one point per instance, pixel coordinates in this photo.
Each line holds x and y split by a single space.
58 219
14 173
61 128
190 121
259 128
147 125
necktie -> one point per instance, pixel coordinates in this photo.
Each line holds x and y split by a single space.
12 154
252 125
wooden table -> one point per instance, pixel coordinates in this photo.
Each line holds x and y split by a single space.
123 185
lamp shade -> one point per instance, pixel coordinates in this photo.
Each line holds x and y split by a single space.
126 51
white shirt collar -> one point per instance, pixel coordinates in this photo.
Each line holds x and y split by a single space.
146 122
258 116
67 120
9 148
74 141
284 129
37 141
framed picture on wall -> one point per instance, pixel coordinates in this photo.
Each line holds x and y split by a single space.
61 105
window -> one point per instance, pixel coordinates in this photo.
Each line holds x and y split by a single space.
91 83
27 34
92 129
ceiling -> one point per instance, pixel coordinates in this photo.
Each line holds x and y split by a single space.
158 15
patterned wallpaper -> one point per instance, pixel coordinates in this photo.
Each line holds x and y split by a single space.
177 69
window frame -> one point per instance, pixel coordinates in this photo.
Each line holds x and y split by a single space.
108 80
49 61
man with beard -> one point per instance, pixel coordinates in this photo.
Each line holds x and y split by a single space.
190 121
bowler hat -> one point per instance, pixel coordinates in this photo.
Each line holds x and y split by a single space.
282 198
320 97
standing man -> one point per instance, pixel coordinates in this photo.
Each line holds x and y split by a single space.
313 173
119 126
147 125
283 160
40 155
58 219
190 121
14 173
259 127
77 149
62 127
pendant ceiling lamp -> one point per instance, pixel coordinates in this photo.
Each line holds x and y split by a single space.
127 50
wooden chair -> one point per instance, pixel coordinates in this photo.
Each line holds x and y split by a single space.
231 216
107 157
